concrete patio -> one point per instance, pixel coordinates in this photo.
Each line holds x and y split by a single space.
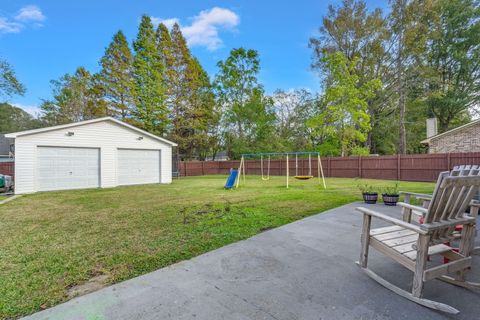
303 270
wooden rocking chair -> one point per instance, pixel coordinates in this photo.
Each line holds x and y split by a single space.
418 215
411 245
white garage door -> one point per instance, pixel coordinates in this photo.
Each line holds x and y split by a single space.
138 166
67 168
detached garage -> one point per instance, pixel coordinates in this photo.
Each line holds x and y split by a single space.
103 153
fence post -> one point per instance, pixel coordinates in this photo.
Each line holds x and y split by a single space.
399 169
360 166
185 168
203 168
449 164
329 172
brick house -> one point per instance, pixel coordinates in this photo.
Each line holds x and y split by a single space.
465 138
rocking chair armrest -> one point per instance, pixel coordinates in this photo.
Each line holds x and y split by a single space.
475 203
412 207
415 194
474 208
392 220
444 224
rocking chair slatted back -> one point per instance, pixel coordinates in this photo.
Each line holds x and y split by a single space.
454 195
465 167
458 198
437 193
451 198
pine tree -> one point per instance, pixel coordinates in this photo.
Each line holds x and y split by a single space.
190 95
164 44
76 98
151 111
116 77
203 116
178 78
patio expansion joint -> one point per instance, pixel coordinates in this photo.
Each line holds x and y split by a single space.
258 308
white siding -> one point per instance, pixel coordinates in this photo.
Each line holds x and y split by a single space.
108 136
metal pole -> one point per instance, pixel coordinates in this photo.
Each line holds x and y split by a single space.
268 171
261 165
296 165
239 172
267 177
287 170
243 170
321 170
309 164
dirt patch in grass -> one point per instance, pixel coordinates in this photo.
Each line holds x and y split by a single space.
91 285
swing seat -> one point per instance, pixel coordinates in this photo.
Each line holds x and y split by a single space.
303 177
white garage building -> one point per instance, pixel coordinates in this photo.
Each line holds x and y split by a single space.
103 153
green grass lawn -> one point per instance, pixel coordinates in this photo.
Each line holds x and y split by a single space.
50 242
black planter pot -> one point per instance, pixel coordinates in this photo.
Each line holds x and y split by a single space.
390 199
370 197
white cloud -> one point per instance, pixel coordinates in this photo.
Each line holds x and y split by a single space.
27 15
33 110
30 13
167 22
7 26
205 27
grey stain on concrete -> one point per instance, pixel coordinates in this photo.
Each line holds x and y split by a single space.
304 270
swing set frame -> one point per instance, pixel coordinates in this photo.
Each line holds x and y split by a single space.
321 177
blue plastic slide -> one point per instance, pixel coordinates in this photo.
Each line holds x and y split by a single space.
231 179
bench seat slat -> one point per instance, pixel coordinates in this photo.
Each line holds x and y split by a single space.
394 234
433 250
402 240
378 231
405 247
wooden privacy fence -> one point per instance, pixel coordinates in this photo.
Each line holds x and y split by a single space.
417 167
7 168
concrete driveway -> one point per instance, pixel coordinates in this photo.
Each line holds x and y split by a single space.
303 270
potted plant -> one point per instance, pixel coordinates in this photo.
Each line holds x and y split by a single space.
390 195
370 196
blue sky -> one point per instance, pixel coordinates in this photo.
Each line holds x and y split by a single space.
45 39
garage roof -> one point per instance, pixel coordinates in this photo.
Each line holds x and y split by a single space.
81 123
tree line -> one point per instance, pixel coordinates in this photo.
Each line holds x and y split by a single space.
420 60
381 74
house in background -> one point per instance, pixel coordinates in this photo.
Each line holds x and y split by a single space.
6 149
220 156
465 138
103 153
